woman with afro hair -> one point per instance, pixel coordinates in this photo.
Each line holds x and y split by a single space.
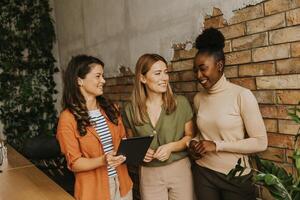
229 122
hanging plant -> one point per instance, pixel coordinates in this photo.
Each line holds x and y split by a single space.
26 70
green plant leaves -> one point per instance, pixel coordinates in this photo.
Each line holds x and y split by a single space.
281 184
26 70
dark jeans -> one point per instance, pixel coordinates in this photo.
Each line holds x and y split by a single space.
212 185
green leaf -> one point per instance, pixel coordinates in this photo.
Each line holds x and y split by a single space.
28 86
270 179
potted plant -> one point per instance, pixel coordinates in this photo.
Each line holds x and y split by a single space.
281 184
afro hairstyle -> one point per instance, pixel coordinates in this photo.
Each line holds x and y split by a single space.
210 40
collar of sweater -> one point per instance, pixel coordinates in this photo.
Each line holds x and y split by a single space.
219 86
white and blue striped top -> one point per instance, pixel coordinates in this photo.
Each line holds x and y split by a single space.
99 123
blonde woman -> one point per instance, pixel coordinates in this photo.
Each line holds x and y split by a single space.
155 110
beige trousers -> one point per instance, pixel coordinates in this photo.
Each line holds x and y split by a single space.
114 186
170 182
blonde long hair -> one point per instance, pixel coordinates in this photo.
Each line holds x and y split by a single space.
139 94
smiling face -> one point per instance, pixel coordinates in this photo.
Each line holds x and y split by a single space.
156 79
207 70
92 84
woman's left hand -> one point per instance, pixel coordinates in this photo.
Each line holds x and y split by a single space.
163 152
206 146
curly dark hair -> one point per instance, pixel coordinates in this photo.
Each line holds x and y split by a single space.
211 41
72 99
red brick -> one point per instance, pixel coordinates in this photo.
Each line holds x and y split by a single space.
279 82
288 66
184 54
240 57
274 154
248 13
289 34
268 111
183 65
295 48
110 81
113 97
265 97
227 47
280 140
293 17
216 22
233 31
251 41
118 89
297 144
125 97
184 86
273 111
257 69
288 127
289 155
271 52
231 71
245 82
288 167
127 80
275 6
283 112
187 76
288 96
271 125
216 12
174 76
266 23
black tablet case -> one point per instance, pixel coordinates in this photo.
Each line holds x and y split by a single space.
134 149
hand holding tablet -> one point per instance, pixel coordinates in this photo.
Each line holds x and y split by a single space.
134 149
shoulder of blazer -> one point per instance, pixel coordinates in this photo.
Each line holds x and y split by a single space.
66 115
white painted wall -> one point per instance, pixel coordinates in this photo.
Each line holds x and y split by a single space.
119 31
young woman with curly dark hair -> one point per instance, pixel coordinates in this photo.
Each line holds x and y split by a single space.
89 131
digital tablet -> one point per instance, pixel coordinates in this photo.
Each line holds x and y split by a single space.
135 148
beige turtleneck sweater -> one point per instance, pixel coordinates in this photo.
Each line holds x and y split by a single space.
229 115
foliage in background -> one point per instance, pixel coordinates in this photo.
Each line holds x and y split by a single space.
26 70
281 184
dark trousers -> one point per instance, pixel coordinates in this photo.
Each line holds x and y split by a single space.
212 185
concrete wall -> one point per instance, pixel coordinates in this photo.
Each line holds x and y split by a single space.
119 31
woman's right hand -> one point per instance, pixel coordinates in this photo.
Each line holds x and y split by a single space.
193 150
149 155
114 161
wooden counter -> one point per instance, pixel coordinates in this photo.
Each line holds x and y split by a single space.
21 180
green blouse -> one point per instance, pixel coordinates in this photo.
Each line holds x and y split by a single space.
169 128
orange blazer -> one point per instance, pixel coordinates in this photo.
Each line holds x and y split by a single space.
93 184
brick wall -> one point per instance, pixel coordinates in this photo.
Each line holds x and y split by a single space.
262 54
